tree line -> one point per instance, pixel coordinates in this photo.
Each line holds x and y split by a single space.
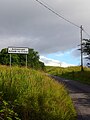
20 59
86 50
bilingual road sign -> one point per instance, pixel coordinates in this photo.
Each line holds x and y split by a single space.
18 50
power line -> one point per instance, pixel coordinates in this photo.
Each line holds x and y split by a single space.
44 4
53 11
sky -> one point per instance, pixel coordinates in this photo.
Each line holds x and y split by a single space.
26 23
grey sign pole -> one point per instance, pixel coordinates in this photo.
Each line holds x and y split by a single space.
18 50
10 60
26 60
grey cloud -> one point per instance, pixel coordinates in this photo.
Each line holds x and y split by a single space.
26 23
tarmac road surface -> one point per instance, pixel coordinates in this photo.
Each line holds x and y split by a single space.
80 95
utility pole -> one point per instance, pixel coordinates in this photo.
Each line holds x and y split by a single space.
81 30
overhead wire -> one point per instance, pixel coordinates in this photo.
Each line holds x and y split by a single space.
58 14
44 4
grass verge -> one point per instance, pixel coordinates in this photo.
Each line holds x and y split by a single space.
34 96
73 73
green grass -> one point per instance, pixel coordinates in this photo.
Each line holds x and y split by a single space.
34 96
73 73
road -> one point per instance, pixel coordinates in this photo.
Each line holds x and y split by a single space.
80 95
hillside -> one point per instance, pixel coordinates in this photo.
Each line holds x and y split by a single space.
27 94
72 73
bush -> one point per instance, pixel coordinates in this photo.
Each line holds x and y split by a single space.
6 110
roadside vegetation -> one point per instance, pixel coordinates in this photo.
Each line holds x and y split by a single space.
20 59
27 94
73 73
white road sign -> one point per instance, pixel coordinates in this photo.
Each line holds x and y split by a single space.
18 50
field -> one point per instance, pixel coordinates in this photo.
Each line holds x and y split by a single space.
73 73
26 94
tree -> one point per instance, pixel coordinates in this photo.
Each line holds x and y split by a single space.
86 48
4 57
20 59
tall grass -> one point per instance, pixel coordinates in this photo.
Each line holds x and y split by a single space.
35 96
73 73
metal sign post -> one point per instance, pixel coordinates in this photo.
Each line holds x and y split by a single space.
18 50
26 60
10 61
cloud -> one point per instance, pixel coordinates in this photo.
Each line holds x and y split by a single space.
68 52
52 62
26 23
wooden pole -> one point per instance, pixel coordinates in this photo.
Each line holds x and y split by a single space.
81 29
